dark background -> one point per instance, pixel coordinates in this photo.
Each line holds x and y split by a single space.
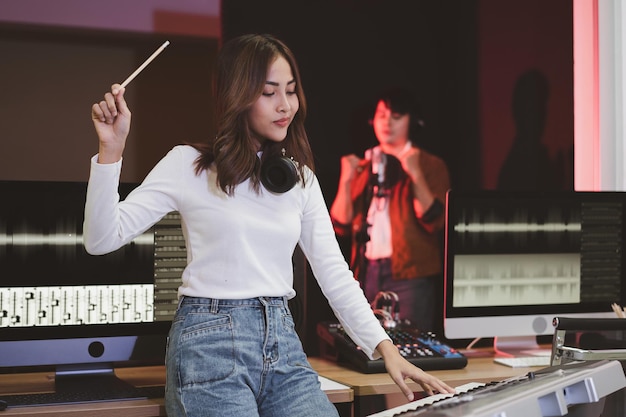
349 50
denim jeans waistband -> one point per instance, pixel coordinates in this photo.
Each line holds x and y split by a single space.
215 302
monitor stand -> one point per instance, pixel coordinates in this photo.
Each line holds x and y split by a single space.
100 379
519 346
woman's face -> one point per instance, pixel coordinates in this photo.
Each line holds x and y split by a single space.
390 128
272 113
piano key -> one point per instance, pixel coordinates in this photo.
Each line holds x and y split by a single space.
431 399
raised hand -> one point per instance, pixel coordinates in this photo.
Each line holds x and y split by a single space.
111 118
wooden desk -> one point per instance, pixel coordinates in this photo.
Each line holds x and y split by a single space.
369 387
356 384
377 392
34 382
478 369
44 382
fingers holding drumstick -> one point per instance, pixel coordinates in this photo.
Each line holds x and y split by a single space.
106 110
111 116
113 103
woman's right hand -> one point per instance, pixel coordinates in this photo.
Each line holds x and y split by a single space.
111 118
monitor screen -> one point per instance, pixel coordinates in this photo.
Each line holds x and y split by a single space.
515 260
63 308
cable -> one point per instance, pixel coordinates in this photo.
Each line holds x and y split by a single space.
472 343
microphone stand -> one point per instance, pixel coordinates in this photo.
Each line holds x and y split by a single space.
362 236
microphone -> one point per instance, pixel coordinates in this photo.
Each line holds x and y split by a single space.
379 165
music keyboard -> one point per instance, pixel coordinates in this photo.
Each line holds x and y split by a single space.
431 399
547 392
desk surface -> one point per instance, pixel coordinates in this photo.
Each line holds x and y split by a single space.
478 369
146 376
44 382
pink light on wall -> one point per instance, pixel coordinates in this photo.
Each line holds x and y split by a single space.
526 42
188 17
586 96
205 26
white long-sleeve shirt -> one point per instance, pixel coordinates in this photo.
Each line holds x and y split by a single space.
238 246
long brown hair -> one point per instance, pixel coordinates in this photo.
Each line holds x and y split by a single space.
243 63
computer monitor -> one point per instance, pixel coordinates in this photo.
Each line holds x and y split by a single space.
515 260
80 314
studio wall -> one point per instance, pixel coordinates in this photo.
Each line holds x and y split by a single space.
52 76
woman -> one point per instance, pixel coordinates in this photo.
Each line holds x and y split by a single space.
232 348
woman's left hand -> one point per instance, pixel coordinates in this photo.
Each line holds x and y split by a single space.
400 369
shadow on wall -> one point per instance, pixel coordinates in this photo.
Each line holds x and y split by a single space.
528 165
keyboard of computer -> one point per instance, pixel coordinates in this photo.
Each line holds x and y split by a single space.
78 390
523 361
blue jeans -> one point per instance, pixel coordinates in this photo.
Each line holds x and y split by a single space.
239 358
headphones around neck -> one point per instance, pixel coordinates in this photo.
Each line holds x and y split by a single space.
279 173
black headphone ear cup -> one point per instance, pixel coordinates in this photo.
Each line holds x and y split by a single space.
279 174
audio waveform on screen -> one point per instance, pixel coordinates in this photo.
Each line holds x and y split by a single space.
514 279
